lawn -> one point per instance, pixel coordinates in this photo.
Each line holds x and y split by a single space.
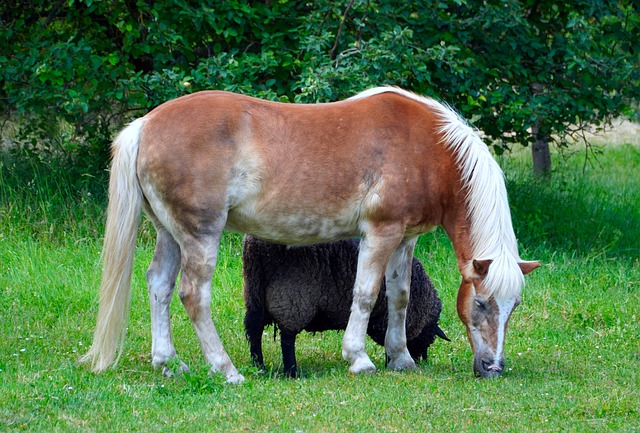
573 347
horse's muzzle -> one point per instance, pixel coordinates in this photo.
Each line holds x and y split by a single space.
488 369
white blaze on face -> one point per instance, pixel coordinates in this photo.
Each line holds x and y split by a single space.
506 307
486 318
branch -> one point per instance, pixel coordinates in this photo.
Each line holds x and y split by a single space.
364 17
332 53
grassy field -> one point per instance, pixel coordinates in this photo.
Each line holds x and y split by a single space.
573 348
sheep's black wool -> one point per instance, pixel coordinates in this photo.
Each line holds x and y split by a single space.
311 288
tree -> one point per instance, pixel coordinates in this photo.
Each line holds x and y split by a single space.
523 71
79 69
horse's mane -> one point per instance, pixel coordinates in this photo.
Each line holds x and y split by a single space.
492 235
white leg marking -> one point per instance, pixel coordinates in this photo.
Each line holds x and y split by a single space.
398 279
372 260
161 278
198 263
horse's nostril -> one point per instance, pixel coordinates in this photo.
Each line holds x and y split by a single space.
489 367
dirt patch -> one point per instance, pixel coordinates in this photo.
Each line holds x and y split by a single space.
623 132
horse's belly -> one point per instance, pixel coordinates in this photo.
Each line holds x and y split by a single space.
294 228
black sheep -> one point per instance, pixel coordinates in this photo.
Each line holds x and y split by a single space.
311 288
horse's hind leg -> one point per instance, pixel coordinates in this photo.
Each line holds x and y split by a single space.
398 279
199 255
376 248
161 279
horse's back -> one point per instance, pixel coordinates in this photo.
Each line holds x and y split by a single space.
296 173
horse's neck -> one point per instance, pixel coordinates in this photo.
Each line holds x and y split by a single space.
457 227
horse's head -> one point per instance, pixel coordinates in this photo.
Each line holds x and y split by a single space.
486 315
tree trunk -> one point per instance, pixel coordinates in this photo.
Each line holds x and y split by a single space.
540 152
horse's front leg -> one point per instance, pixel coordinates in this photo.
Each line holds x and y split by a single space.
398 279
375 250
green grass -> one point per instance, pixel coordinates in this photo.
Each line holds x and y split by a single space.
573 348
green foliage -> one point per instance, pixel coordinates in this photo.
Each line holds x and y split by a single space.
599 204
48 202
73 71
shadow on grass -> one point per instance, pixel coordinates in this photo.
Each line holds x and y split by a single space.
315 364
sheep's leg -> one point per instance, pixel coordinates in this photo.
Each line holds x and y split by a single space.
418 348
376 248
288 345
254 326
199 255
161 279
398 279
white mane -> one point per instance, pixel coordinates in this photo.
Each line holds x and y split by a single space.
492 235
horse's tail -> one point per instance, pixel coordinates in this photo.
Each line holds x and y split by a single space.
123 216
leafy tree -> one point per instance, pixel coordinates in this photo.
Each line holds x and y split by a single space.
523 71
71 71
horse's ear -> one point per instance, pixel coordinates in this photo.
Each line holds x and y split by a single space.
527 267
481 267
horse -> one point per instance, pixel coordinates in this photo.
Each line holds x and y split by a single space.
385 165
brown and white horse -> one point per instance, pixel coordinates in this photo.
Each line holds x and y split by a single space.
385 165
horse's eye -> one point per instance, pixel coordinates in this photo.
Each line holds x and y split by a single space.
480 304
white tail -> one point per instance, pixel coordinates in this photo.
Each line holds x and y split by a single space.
123 216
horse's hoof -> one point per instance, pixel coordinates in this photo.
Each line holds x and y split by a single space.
362 366
235 379
170 372
401 363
